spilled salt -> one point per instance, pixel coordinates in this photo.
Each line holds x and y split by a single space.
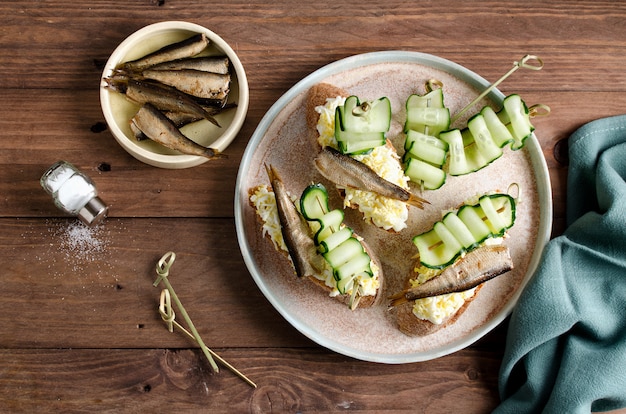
82 242
76 258
82 249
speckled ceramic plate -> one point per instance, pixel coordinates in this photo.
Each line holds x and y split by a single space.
284 140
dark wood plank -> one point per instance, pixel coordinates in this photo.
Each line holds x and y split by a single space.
65 286
304 380
486 37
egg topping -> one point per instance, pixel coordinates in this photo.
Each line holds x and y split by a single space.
437 309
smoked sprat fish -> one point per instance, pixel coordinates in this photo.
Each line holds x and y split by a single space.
347 172
158 128
180 119
205 85
163 97
476 267
214 64
295 230
180 50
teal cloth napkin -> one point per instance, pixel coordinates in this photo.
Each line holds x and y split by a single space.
566 341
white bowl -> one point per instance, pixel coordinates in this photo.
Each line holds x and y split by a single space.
118 110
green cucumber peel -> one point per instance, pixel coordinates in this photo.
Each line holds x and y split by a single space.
336 242
465 230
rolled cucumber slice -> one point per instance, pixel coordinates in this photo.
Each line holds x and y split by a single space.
359 264
517 114
335 239
434 253
459 230
420 171
485 142
343 253
499 132
466 154
432 99
504 205
368 116
457 162
361 147
430 121
427 113
426 147
329 224
314 202
465 230
345 284
494 221
474 222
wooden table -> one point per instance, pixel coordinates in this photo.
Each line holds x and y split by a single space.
80 328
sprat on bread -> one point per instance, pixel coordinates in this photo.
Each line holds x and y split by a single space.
321 248
457 256
358 130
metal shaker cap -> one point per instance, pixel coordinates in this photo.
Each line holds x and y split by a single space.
94 212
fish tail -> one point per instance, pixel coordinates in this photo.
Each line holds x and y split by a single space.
398 299
210 118
116 84
272 174
417 201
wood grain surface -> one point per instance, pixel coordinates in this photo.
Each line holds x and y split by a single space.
80 326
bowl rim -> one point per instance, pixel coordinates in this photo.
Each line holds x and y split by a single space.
174 161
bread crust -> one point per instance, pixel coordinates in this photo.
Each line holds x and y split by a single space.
317 96
364 301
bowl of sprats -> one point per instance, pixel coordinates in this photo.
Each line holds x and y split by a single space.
174 94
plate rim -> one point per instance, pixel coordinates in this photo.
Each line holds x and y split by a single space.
538 162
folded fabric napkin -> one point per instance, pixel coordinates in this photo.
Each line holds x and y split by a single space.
566 343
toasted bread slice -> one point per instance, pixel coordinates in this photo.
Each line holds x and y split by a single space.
362 301
470 271
476 268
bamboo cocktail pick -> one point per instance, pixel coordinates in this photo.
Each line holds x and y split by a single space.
168 315
536 64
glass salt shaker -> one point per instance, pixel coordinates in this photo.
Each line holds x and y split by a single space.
73 192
